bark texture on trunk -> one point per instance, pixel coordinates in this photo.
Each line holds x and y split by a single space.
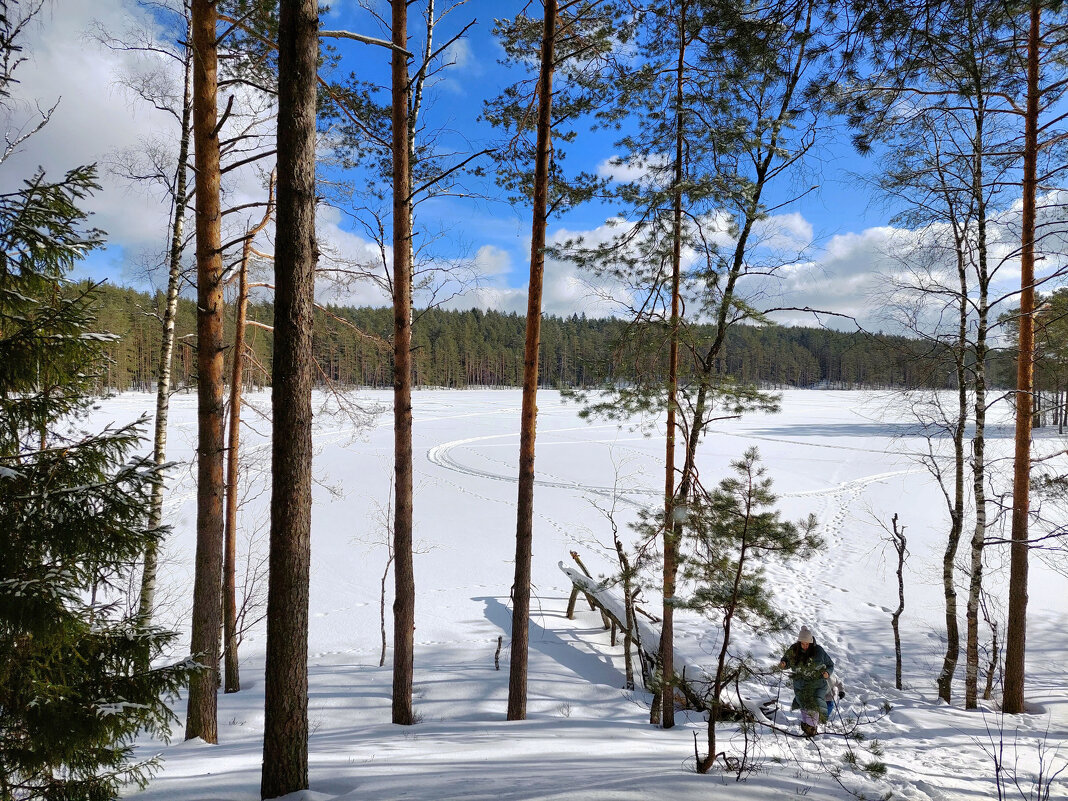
671 529
978 542
1016 633
900 546
285 737
201 719
403 569
524 535
975 585
147 600
956 503
231 671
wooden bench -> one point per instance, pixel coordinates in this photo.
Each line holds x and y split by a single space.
645 633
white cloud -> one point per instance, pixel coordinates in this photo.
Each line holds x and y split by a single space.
352 268
784 232
460 55
95 116
844 279
636 168
98 120
492 262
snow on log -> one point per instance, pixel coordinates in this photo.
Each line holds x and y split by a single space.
693 681
610 601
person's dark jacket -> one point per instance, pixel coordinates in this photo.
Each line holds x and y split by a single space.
806 669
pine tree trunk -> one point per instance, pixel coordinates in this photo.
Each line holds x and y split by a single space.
201 719
524 536
1016 632
285 737
671 529
413 123
231 672
705 765
403 571
147 599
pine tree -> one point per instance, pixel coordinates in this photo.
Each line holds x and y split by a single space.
517 679
575 41
285 735
996 62
729 93
731 535
74 518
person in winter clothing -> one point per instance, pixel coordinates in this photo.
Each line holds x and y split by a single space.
810 668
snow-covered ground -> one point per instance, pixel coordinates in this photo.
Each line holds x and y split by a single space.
849 458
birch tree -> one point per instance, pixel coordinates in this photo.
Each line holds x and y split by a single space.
944 170
997 61
153 88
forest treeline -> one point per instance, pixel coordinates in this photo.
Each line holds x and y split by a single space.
485 348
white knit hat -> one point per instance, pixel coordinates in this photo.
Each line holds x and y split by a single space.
804 635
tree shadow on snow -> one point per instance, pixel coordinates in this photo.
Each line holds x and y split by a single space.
570 648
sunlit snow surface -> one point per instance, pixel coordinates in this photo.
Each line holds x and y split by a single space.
848 457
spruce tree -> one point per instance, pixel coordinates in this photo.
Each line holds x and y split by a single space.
74 518
74 510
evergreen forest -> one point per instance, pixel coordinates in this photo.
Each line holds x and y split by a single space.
459 349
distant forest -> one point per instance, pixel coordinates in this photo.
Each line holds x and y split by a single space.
485 348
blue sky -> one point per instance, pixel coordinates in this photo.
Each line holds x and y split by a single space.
843 222
842 205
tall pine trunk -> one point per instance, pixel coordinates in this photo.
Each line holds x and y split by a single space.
147 599
403 571
231 672
517 670
416 97
1016 632
285 736
671 529
201 719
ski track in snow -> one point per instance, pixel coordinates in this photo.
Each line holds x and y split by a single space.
821 445
441 455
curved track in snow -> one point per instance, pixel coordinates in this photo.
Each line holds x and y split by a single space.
844 493
441 455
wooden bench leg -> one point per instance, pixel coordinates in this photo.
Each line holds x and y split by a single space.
571 603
